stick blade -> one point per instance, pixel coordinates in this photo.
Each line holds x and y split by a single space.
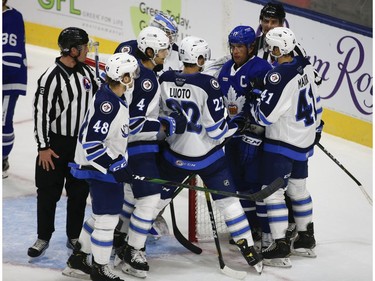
233 273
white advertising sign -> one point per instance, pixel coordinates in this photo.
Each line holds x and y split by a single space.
343 58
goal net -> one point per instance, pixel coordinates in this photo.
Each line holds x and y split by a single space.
199 219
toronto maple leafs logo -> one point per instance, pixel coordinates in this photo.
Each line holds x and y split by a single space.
233 102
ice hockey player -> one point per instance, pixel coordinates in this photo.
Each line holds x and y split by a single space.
139 211
291 110
237 78
14 74
199 148
102 160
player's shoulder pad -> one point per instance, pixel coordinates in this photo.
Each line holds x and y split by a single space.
168 76
147 80
130 47
209 81
105 101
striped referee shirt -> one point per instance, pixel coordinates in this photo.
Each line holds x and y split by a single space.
61 101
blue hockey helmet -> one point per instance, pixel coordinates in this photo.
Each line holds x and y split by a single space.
242 34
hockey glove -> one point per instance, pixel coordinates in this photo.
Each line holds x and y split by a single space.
169 123
180 120
241 123
249 147
120 170
318 132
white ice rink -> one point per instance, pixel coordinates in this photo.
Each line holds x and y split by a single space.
343 218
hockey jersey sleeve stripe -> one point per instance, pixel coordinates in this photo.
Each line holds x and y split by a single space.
89 145
264 120
136 123
214 127
93 156
14 86
223 132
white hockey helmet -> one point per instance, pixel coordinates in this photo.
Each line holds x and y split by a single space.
166 23
154 38
280 37
191 48
121 63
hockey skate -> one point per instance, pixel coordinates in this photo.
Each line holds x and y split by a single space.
101 272
38 249
267 240
277 254
70 243
135 262
5 168
78 265
251 256
120 254
304 243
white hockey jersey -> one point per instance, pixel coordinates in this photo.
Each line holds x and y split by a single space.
291 109
200 97
103 135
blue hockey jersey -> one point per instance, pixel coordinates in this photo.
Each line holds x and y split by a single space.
236 84
14 53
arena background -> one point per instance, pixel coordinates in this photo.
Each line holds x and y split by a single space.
341 51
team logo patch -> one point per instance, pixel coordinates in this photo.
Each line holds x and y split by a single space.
106 107
125 131
126 49
86 83
226 183
215 84
41 91
179 163
147 85
274 78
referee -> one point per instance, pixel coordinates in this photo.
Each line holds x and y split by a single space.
61 101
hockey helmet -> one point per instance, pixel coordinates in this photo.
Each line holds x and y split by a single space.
191 48
154 38
72 37
273 10
242 35
280 37
121 63
165 23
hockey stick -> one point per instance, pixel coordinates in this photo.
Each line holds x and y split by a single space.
369 199
177 233
179 236
224 269
95 44
257 196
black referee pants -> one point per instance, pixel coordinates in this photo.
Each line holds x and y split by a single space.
49 189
